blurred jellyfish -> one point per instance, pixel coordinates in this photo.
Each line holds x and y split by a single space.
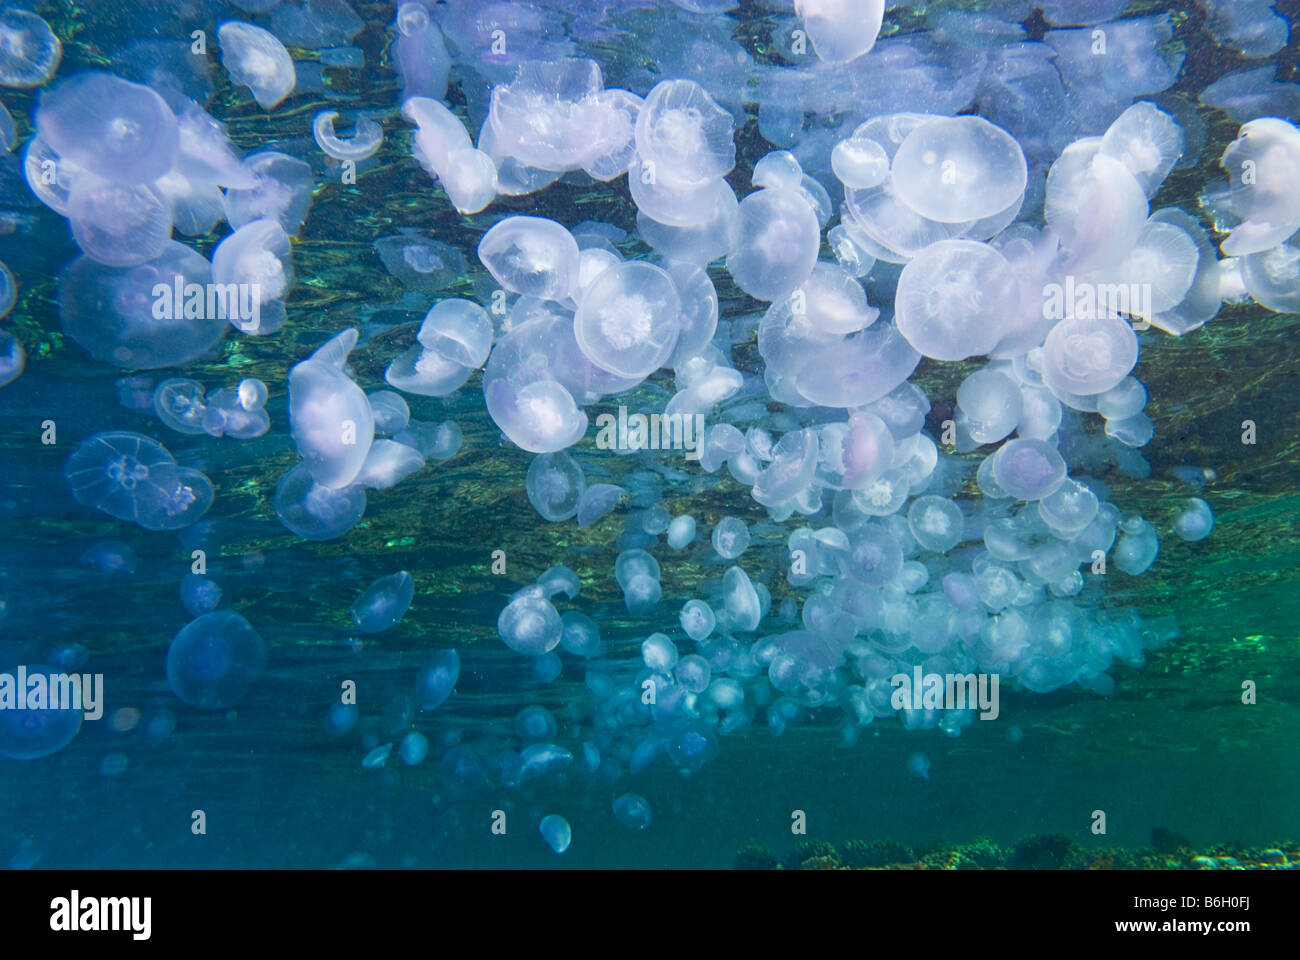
918 765
364 143
1196 520
384 603
214 660
633 811
314 511
437 680
556 832
257 59
29 50
41 727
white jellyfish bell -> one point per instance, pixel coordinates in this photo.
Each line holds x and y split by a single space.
329 415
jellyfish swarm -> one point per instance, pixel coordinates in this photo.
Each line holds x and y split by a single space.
329 415
130 477
213 661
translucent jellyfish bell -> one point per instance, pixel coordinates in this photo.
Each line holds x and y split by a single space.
556 832
133 478
213 661
1088 356
683 132
459 330
281 188
530 625
29 50
778 244
1196 521
953 299
1028 469
257 259
532 256
118 130
179 404
554 484
632 811
540 417
329 416
313 511
841 30
365 142
437 680
28 734
936 523
627 322
1268 149
991 404
12 358
1096 206
1146 140
859 162
257 59
1273 277
118 224
956 169
384 602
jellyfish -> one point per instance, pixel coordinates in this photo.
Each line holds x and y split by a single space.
29 50
697 619
1137 547
254 262
530 625
936 523
391 413
364 143
437 680
1095 205
277 186
953 299
109 556
1196 520
258 60
580 635
741 599
384 602
1273 277
314 511
681 531
693 673
426 373
778 244
8 135
1263 164
692 744
683 135
659 653
918 765
199 594
421 53
959 169
531 256
179 404
130 477
458 330
627 321
413 748
387 464
12 358
540 417
39 728
556 832
117 130
1028 469
633 811
329 416
730 538
535 724
990 405
641 593
540 759
213 661
1148 141
1086 356
554 485
119 224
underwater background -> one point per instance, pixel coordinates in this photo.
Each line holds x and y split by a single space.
1173 749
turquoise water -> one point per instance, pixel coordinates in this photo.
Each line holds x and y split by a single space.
1172 746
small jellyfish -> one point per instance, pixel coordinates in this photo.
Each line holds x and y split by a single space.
110 556
314 511
741 599
413 748
841 31
778 245
641 594
458 330
597 501
530 625
8 290
130 477
1028 469
1195 521
40 728
29 50
377 757
954 298
12 358
581 635
730 538
384 602
214 660
199 594
1137 547
390 411
540 417
364 143
697 619
387 464
633 811
257 59
119 224
681 531
627 321
683 133
179 404
1088 356
659 653
255 262
535 724
918 765
532 256
329 416
693 673
437 680
936 523
554 484
859 162
958 169
556 832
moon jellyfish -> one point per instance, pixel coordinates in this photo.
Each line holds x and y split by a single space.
437 680
556 832
39 729
778 245
659 653
683 133
692 744
627 321
29 50
1266 200
1146 140
1196 520
179 404
540 417
697 619
127 316
532 256
1273 277
741 600
256 260
581 635
199 595
1088 356
118 224
257 59
990 404
214 660
12 358
554 484
953 299
641 594
633 811
384 603
841 30
1028 469
110 556
130 477
859 162
329 416
530 625
413 748
730 538
936 523
918 765
280 188
115 129
535 724
1137 547
681 531
957 169
693 673
364 143
314 511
